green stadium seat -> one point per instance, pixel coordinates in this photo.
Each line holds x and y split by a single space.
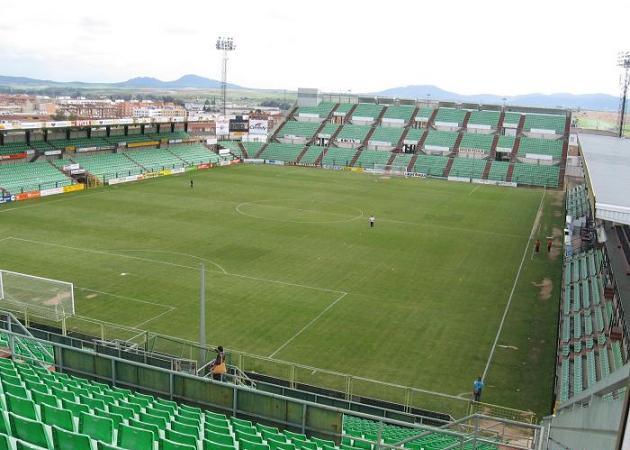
279 445
180 438
57 416
126 413
166 444
14 389
219 438
221 429
22 445
21 406
185 429
244 444
104 446
145 426
116 418
160 422
5 443
74 407
29 430
132 438
68 440
98 428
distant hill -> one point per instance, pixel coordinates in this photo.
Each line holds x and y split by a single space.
185 82
599 102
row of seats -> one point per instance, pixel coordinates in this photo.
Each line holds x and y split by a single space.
299 129
441 138
338 156
475 141
581 295
583 265
414 134
322 110
577 201
368 158
498 170
489 118
354 427
468 167
424 114
506 142
430 165
369 110
49 410
282 152
354 132
31 176
401 112
536 175
311 154
545 122
389 135
550 147
451 115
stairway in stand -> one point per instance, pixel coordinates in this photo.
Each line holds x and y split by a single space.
318 161
491 157
243 149
419 146
364 144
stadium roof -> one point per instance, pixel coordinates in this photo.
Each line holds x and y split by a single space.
607 161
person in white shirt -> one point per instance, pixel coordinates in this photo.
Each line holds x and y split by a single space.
372 219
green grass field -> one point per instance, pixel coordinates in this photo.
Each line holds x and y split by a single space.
294 272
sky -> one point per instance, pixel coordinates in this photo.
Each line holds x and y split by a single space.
469 47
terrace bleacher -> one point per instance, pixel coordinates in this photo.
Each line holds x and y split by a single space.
485 119
282 152
25 177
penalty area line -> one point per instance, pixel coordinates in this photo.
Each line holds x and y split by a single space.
308 325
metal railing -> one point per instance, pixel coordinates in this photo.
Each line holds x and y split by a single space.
245 401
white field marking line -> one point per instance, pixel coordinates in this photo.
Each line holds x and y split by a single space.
237 208
518 274
315 319
123 297
474 189
53 201
466 230
168 252
138 325
181 266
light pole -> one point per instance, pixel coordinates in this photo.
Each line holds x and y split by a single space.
623 61
226 44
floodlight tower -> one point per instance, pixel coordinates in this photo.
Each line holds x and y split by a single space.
225 44
623 61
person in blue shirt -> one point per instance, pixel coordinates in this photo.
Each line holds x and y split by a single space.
477 388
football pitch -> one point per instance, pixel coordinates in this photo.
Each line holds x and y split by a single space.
295 273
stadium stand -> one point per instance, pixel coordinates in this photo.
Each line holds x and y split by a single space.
14 148
450 115
387 135
488 118
232 146
367 110
536 175
577 202
467 167
354 133
112 165
322 110
338 156
298 129
414 134
498 171
79 143
194 154
368 158
431 165
24 177
252 148
282 152
545 122
156 159
549 147
311 155
442 139
402 112
402 160
476 142
512 118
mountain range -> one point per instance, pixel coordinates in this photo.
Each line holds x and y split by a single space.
599 102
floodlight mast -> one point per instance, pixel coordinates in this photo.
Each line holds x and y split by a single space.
623 61
225 44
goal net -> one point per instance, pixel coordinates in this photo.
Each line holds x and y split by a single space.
390 169
50 299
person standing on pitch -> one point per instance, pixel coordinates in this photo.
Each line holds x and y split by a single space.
191 184
477 388
372 219
537 245
549 244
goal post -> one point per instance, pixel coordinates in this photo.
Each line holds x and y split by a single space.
390 169
44 297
